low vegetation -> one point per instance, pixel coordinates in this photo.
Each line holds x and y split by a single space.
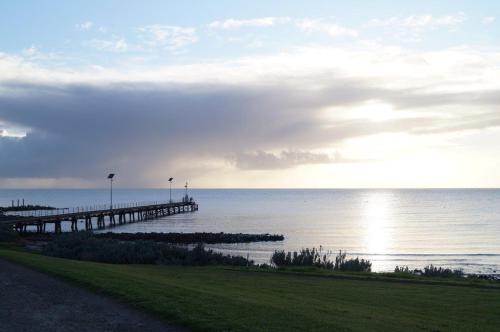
314 257
353 264
214 298
83 246
431 271
434 271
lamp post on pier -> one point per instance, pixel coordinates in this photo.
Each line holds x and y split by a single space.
170 180
110 177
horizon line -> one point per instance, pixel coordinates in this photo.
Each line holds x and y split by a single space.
261 188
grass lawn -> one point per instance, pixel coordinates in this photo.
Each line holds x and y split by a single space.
230 299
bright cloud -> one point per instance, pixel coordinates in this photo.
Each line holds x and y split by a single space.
418 22
87 25
115 45
488 19
30 51
320 25
411 28
256 22
167 36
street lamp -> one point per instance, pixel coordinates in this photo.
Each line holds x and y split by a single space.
170 180
186 195
110 177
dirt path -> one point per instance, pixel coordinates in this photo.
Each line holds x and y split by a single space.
32 301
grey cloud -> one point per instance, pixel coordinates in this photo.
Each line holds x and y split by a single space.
479 121
261 160
141 129
266 160
416 98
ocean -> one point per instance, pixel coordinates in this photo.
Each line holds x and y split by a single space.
457 228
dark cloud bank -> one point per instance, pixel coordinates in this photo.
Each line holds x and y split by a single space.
83 130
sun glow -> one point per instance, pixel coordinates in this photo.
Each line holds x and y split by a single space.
375 111
371 110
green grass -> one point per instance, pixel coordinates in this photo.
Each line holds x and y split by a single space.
236 299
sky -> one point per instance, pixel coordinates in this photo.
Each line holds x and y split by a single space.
250 94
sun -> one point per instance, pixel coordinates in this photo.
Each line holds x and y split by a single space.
375 111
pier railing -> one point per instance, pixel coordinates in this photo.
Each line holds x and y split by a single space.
82 209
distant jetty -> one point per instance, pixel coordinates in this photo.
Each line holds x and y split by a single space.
25 208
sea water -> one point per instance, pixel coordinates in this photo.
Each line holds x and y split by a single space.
457 228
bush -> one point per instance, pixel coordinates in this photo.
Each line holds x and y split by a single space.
430 271
434 271
306 257
354 265
313 257
402 269
83 246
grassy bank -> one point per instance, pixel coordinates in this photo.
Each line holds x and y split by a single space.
217 298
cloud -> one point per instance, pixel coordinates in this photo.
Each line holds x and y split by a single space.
142 129
115 45
488 19
85 26
252 113
307 25
262 22
320 25
411 28
261 160
167 36
5 133
80 130
419 22
31 51
151 37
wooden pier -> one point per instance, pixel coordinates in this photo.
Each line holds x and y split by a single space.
103 218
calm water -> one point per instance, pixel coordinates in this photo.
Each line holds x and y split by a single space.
456 228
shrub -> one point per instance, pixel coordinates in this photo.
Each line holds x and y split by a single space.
313 257
83 246
402 269
306 257
353 264
430 271
434 271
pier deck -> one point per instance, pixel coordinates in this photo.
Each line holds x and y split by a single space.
101 217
